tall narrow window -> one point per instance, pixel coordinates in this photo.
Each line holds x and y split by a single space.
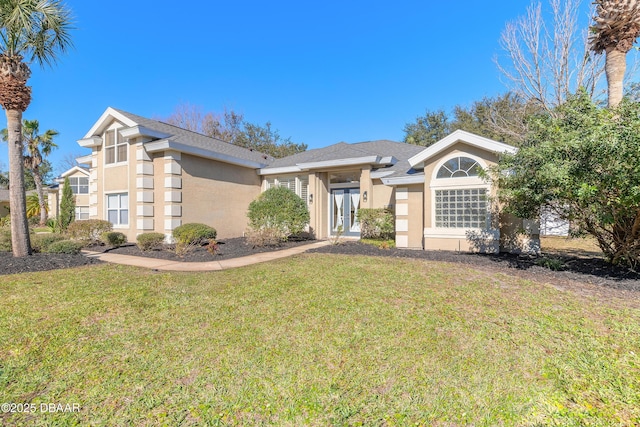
115 147
118 209
456 207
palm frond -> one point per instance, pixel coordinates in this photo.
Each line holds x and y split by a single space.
38 30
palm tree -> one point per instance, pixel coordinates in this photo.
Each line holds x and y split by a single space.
36 146
30 30
616 28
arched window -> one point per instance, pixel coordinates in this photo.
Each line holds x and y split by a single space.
460 206
459 167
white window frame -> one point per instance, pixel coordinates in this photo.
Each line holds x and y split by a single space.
299 183
81 210
119 141
75 188
458 183
119 209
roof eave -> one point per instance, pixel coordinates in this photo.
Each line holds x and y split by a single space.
137 131
487 144
166 144
90 142
403 180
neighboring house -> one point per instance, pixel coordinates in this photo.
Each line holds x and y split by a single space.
79 183
147 175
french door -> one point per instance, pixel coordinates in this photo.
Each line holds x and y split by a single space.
345 203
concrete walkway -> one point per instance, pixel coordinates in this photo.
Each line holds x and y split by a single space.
167 265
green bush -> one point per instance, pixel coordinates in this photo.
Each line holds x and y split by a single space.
149 241
41 242
65 247
88 230
5 239
193 234
281 210
190 235
113 238
376 224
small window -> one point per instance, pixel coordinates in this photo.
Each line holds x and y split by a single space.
459 167
118 209
82 213
79 185
115 147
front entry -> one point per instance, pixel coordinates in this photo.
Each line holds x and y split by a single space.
345 203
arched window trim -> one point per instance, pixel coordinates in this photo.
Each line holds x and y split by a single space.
465 170
459 181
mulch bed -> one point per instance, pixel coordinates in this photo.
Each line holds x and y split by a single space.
227 249
41 262
576 270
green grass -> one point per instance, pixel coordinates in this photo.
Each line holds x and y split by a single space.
315 340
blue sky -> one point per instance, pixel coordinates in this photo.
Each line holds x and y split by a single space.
321 72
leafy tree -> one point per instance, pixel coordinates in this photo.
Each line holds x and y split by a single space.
37 146
267 141
234 129
67 206
29 31
616 29
427 129
582 163
502 118
46 172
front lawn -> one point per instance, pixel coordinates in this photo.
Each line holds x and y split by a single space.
315 340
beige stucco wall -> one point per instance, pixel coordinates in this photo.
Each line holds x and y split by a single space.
503 226
409 216
217 194
53 203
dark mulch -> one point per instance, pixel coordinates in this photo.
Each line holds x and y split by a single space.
594 271
227 249
41 262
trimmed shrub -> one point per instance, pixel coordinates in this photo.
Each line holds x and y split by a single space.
376 224
194 234
190 235
88 230
149 241
280 211
41 242
113 238
65 247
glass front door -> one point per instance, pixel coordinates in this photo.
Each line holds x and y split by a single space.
345 203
